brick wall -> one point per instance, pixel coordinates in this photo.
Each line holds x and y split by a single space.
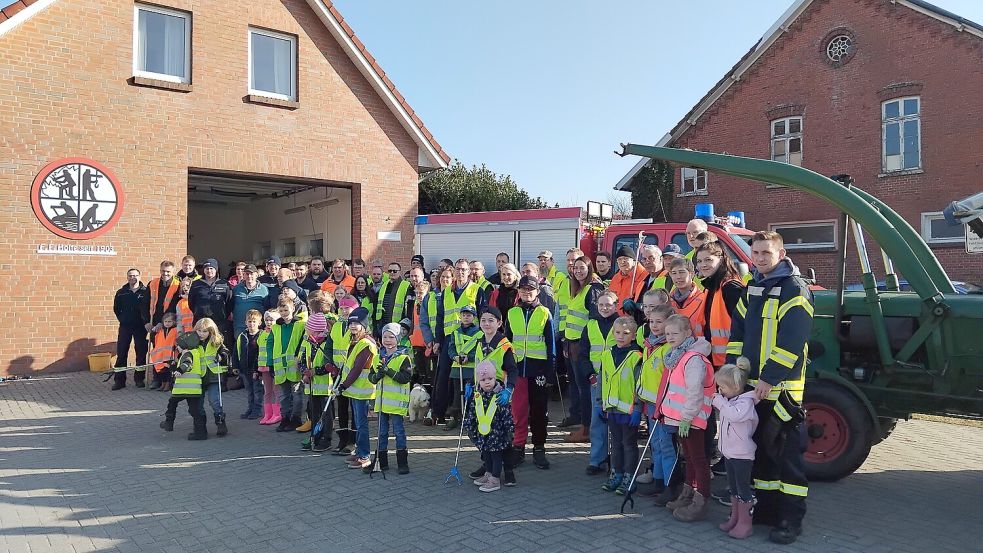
65 93
842 123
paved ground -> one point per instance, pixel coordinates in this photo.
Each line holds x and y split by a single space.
85 469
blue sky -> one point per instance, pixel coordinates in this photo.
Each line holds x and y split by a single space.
545 90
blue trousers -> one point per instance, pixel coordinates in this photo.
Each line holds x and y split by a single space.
664 454
398 429
360 410
598 430
291 399
211 393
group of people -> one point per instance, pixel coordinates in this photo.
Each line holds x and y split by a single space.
666 349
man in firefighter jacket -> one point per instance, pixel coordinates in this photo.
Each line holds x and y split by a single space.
770 327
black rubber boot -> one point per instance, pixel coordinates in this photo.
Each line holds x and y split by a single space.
539 457
221 428
508 468
167 424
402 461
381 460
200 432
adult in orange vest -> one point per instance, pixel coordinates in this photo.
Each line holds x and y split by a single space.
686 298
651 258
338 277
132 308
724 288
163 295
627 283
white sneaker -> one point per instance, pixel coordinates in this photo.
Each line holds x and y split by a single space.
482 480
645 478
492 485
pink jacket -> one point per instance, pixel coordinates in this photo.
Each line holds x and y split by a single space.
738 420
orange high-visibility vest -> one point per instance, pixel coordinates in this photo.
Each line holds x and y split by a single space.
185 318
675 398
329 285
163 352
719 326
692 308
168 295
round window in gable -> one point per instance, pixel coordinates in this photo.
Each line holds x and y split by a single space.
839 46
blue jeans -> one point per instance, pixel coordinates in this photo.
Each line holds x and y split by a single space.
291 399
598 430
254 392
360 411
664 454
211 392
398 429
580 394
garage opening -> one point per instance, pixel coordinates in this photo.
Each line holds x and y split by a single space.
234 217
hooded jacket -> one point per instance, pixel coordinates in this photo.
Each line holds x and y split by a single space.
738 421
695 373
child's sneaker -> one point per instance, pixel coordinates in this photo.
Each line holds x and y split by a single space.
645 477
509 479
481 480
614 481
492 485
623 487
360 463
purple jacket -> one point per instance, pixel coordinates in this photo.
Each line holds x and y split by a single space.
738 419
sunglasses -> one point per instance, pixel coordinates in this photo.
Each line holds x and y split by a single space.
393 271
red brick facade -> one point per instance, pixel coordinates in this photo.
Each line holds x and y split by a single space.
899 52
65 91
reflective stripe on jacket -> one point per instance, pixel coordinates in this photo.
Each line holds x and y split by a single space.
675 400
528 338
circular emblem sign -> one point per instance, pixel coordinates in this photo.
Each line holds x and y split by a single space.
77 198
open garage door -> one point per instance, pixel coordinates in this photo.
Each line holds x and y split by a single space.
249 218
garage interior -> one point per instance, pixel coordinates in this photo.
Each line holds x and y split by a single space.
234 217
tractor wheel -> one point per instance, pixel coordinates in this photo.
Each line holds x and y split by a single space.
839 431
887 424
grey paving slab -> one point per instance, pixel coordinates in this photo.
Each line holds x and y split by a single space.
85 469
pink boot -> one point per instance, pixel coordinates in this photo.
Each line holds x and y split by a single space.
276 418
267 413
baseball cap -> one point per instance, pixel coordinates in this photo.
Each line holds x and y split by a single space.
546 253
673 250
250 268
359 316
418 259
529 282
468 308
274 260
210 262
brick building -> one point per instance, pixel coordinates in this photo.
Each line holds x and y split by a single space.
886 91
136 132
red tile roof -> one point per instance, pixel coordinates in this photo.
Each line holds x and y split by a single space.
12 9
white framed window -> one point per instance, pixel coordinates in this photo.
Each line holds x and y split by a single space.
161 43
935 230
800 235
272 64
288 247
693 181
901 134
786 140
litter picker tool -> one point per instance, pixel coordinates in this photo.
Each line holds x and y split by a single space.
454 472
378 442
634 271
317 428
109 374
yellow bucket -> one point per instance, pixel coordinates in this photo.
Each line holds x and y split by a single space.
100 362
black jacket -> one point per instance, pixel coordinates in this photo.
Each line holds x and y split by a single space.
211 300
732 292
132 308
312 283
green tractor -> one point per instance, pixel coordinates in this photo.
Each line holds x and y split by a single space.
874 356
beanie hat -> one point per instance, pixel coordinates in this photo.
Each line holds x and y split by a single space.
317 325
483 369
625 251
406 325
348 301
392 328
360 316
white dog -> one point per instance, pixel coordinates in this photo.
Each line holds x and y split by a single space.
419 403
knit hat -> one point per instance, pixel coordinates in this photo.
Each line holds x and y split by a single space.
392 328
348 302
188 340
483 369
317 325
625 251
418 259
210 262
360 316
406 325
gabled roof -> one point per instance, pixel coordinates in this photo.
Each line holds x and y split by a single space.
760 47
432 155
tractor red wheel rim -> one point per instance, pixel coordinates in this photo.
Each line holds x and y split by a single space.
828 431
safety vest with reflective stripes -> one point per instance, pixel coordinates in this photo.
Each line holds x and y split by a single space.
528 339
562 304
556 277
662 281
618 383
163 352
283 360
652 380
154 287
340 343
361 388
640 335
496 356
576 317
366 302
719 326
598 343
766 339
463 345
485 415
675 400
329 285
188 383
315 358
185 318
692 309
485 286
453 305
398 304
392 397
209 359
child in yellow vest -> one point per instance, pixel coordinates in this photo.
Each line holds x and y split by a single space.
355 385
651 388
280 355
489 424
391 376
162 353
188 371
215 359
620 368
271 400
